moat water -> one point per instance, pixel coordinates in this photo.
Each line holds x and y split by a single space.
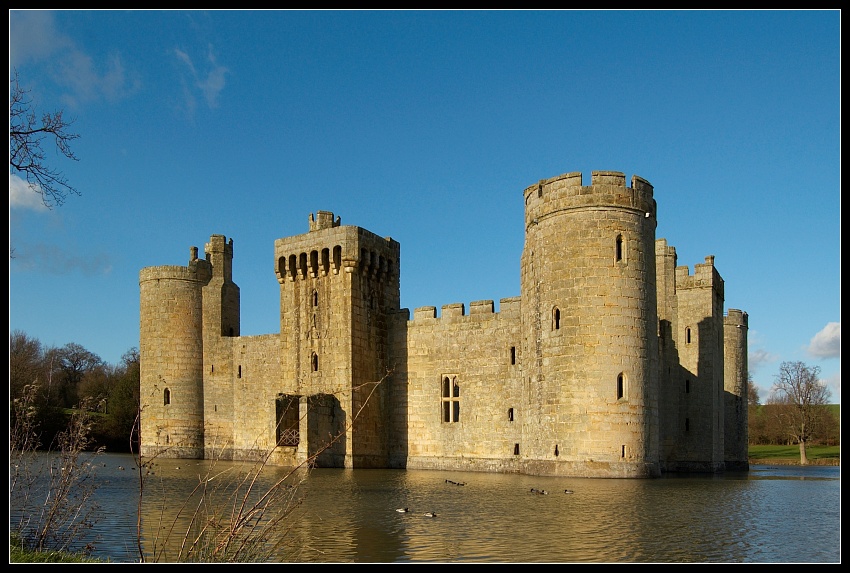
771 514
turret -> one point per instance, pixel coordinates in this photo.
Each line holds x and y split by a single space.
736 389
589 321
171 358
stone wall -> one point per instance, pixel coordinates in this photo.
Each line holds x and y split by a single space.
612 362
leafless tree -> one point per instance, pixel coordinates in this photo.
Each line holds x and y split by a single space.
805 397
752 392
27 132
75 362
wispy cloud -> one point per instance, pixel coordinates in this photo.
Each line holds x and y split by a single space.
34 38
758 358
22 196
208 79
827 342
54 260
834 385
89 81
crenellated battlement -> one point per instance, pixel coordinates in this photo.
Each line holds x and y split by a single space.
219 244
323 220
606 189
735 317
198 270
705 276
329 248
508 308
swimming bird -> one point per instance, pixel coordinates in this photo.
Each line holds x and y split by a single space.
430 514
568 491
403 509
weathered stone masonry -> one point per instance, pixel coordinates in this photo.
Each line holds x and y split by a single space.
612 362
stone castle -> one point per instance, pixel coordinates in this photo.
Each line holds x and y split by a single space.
612 362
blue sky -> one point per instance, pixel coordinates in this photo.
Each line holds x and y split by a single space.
427 126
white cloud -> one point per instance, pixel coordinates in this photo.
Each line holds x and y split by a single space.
834 384
827 342
210 82
34 38
22 196
759 357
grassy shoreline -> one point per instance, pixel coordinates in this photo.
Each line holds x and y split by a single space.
790 455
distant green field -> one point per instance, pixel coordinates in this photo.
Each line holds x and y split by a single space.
792 453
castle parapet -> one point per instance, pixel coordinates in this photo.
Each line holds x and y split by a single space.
424 312
481 307
453 310
324 220
198 270
607 188
735 317
509 308
705 275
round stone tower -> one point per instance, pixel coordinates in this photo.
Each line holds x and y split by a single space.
589 320
172 358
735 390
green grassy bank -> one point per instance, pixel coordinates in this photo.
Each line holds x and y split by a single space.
790 455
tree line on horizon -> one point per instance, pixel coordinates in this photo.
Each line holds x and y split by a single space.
797 410
68 376
62 379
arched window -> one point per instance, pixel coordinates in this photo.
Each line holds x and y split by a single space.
326 261
166 397
302 263
556 319
315 298
337 258
314 263
688 335
621 386
618 248
314 362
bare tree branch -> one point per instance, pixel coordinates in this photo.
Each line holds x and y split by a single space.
26 154
798 387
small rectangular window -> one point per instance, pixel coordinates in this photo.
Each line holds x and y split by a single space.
450 396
